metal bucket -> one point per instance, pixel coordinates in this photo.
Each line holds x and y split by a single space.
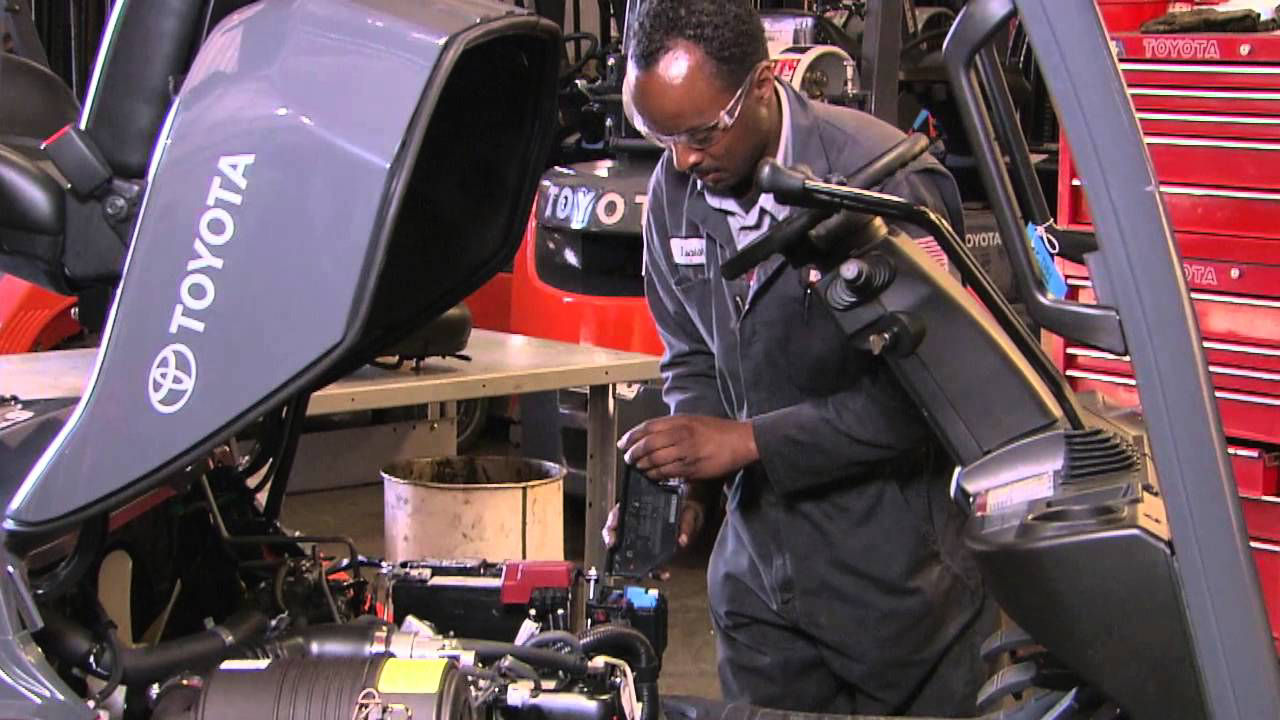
496 508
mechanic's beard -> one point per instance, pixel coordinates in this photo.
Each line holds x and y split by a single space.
737 188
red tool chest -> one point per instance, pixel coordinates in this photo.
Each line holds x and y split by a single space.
1209 108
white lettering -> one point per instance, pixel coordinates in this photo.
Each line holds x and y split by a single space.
233 166
551 200
1175 47
564 204
582 207
1200 274
611 208
180 320
221 216
986 239
204 259
216 193
216 227
197 280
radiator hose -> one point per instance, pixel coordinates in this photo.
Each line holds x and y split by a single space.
329 641
631 646
72 643
574 665
357 640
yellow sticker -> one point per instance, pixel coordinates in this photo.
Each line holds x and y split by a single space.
411 676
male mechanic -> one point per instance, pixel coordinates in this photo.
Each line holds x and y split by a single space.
836 584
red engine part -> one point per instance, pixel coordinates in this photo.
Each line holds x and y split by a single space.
520 579
32 318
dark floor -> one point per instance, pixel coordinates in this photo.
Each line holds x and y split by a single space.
689 664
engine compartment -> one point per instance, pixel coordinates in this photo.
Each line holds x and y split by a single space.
216 611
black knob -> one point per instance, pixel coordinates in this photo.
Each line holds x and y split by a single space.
786 184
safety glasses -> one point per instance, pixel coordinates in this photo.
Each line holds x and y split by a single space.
703 137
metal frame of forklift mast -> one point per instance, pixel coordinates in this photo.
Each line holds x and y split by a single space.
1136 270
882 54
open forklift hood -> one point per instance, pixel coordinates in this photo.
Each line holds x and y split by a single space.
332 175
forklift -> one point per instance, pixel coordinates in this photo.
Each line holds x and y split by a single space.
1111 538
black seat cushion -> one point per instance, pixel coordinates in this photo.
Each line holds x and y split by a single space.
34 103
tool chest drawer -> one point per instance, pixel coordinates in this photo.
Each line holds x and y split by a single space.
1266 556
1236 278
1224 377
1199 209
1235 319
1261 517
1257 471
1209 125
1193 174
1202 100
1240 356
1248 416
1222 76
1215 162
1263 254
1216 263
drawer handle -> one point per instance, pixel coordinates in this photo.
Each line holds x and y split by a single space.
1235 300
1214 298
1242 372
1203 94
1220 394
1098 354
1264 547
1225 119
1246 398
1101 377
1243 349
1212 192
1187 68
1199 142
1213 367
1205 192
1208 344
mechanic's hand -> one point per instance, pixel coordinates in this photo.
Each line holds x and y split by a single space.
692 447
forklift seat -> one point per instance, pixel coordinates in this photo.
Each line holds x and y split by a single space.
30 199
34 102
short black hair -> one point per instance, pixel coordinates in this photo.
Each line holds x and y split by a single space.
728 31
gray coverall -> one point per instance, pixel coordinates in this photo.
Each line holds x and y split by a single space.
837 583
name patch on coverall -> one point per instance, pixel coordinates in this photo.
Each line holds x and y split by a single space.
689 251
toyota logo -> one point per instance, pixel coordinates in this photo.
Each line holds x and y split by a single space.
173 377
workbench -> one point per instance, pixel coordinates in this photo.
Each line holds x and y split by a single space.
501 364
